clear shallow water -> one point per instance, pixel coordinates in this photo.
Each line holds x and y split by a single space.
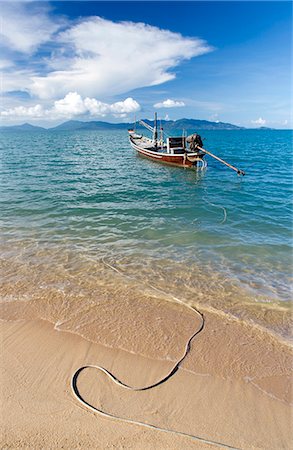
73 201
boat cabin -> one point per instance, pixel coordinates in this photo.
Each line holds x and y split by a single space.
176 144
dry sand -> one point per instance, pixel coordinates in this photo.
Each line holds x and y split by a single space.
233 388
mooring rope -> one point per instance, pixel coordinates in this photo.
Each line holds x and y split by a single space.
205 199
120 383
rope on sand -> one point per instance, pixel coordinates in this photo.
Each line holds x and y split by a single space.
120 383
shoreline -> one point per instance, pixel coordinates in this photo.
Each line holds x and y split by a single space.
212 395
25 282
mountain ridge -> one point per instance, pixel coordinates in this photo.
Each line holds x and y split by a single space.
23 127
168 125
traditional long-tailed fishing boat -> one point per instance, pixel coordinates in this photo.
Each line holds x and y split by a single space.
183 151
174 150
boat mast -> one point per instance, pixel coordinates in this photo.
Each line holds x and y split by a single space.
183 139
161 135
155 134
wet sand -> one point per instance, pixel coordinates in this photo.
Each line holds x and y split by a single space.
233 388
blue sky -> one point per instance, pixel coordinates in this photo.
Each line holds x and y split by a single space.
227 61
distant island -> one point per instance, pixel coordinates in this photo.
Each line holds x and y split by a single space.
189 125
24 127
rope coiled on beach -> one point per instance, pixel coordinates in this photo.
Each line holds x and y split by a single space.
120 383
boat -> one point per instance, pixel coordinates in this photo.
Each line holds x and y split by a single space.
183 151
176 151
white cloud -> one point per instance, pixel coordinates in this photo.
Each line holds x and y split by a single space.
13 79
169 104
127 106
5 64
74 105
259 121
26 25
71 105
94 58
36 111
113 58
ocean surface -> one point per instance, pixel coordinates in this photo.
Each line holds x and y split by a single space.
87 224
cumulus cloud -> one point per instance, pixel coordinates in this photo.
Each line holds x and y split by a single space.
71 105
259 121
26 25
36 111
74 105
169 104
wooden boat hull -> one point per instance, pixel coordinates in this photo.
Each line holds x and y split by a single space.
187 160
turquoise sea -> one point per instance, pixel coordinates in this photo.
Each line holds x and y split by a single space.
75 204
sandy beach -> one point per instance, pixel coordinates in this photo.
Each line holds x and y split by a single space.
233 388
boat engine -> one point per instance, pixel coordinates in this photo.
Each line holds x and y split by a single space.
194 141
